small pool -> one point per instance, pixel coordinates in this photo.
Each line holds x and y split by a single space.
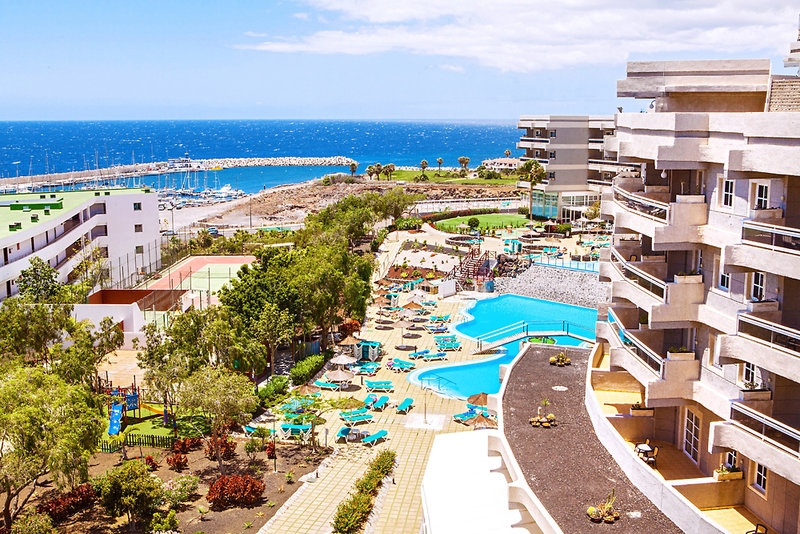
464 379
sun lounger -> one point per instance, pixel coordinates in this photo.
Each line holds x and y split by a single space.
354 413
327 385
366 418
419 354
475 407
378 386
374 438
343 433
462 417
381 403
288 431
405 405
398 361
450 347
437 356
370 399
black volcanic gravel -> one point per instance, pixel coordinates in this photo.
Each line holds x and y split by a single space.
566 466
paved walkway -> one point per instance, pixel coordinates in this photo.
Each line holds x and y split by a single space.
409 435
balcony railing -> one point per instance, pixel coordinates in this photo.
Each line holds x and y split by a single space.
534 139
618 164
634 346
649 283
766 428
645 206
599 182
770 236
769 333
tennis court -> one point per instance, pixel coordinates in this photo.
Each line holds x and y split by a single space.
204 274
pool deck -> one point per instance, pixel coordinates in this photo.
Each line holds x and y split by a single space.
409 435
566 466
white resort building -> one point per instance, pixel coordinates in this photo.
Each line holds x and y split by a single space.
703 326
502 164
577 164
65 227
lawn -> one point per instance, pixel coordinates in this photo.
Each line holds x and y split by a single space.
488 221
151 423
409 176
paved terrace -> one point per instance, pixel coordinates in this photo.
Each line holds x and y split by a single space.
401 511
567 467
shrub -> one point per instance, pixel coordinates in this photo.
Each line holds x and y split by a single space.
384 462
271 451
131 490
416 273
352 513
63 506
562 228
232 490
369 483
186 444
251 447
305 369
177 461
161 523
273 391
227 448
33 523
473 222
180 489
151 464
523 210
408 223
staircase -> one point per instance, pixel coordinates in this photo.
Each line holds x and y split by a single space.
472 267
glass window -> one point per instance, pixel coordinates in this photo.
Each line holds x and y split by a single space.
552 133
748 373
551 175
139 249
552 154
731 458
538 133
757 291
137 227
760 479
762 197
724 281
137 206
691 435
727 193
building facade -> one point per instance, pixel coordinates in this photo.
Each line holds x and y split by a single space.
63 228
704 318
577 165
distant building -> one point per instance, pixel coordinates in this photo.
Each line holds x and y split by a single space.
62 228
501 164
572 151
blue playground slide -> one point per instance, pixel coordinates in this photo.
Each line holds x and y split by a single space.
115 419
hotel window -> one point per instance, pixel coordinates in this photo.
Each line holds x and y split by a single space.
538 153
748 373
551 175
139 249
760 478
538 133
137 227
731 458
552 133
691 435
137 206
757 289
727 193
762 197
724 281
552 154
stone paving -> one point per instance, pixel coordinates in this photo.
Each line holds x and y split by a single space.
411 436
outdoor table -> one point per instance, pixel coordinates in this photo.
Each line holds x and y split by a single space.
357 435
644 448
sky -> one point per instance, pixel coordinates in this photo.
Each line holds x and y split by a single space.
358 59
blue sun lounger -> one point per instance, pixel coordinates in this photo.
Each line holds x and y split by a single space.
355 413
327 385
343 433
380 404
419 354
365 418
378 386
462 417
398 361
370 399
405 405
437 356
374 438
475 407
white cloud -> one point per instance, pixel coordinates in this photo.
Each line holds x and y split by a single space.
301 16
518 35
256 34
451 68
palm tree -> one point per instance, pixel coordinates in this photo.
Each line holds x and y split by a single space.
353 167
391 168
387 171
531 171
439 161
423 165
464 161
370 171
378 170
507 153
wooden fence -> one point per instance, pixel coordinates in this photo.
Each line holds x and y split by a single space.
137 440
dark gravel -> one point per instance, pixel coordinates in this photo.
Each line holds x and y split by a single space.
566 466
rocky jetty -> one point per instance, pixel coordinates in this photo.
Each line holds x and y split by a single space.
579 288
289 161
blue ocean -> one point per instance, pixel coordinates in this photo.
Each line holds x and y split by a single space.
38 147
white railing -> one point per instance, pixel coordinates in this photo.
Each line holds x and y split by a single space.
768 333
766 428
634 346
646 281
772 237
647 207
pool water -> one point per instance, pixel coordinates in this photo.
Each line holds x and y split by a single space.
461 380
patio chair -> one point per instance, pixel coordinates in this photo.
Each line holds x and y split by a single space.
406 405
398 361
343 433
327 385
381 403
652 458
378 385
760 529
374 438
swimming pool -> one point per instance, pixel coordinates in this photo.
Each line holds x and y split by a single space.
464 379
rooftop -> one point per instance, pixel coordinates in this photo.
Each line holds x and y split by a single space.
23 211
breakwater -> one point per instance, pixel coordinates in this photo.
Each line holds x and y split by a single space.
288 161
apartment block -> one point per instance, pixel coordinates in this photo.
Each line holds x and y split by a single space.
65 227
703 327
572 150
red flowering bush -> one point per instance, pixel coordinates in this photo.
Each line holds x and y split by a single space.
63 506
349 326
177 461
271 450
151 464
186 444
235 490
227 448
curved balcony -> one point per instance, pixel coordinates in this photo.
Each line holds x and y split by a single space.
767 247
764 343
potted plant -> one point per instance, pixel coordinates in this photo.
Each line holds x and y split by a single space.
755 391
605 511
637 410
680 353
727 472
560 360
692 277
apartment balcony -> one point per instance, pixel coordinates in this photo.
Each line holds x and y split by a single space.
766 247
536 143
764 343
669 224
667 304
760 437
604 165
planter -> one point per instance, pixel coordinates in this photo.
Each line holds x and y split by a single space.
766 214
642 412
760 306
760 394
688 279
680 355
733 475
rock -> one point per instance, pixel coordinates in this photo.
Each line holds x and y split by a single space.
579 288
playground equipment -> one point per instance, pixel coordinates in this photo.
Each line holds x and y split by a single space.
121 401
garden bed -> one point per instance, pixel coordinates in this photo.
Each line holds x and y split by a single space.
291 457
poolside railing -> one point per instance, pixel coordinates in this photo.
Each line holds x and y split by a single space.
434 383
566 263
524 328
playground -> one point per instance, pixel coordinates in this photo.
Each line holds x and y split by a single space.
200 273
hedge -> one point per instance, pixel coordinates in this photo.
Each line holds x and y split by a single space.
273 391
433 217
353 512
305 369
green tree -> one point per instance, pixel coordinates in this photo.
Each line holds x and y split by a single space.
353 168
378 170
314 407
507 153
39 282
464 162
391 169
78 362
473 222
221 396
423 165
52 428
439 161
387 172
30 330
593 212
370 171
130 490
394 202
531 171
274 326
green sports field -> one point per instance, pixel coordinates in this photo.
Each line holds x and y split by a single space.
488 221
